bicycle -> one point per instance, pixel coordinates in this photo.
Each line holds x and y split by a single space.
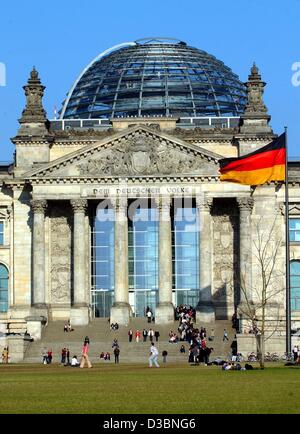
239 357
287 357
271 357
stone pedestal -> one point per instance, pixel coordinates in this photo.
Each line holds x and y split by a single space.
120 313
247 343
164 313
35 326
205 311
205 314
16 348
79 315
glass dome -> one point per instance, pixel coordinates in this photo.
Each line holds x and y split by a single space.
155 77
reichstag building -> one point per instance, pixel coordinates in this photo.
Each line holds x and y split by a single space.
117 204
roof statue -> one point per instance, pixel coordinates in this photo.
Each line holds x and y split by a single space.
34 116
255 117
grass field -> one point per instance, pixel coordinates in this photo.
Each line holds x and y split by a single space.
116 389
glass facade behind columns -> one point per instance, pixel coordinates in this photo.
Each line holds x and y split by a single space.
143 259
295 285
103 262
185 244
3 289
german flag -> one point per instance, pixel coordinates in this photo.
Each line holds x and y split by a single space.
264 165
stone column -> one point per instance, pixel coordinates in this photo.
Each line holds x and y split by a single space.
205 311
120 310
79 311
245 205
38 245
165 310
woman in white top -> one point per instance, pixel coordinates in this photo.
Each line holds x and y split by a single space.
153 356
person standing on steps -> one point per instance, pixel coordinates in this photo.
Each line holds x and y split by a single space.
164 356
117 354
85 355
130 334
156 334
137 336
225 335
151 335
153 356
49 358
149 316
145 334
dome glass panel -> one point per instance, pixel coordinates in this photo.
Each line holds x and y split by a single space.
156 77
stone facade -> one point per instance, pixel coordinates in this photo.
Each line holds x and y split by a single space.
225 258
60 256
44 204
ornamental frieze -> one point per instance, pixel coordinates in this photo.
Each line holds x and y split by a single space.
60 258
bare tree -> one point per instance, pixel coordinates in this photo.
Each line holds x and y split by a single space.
259 305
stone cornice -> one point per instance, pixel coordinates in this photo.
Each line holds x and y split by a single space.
74 143
257 138
21 183
30 140
116 179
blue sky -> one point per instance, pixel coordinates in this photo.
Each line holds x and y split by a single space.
61 37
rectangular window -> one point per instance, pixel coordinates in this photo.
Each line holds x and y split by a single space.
143 250
294 229
1 233
102 262
185 246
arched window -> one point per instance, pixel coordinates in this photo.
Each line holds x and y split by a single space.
3 288
295 285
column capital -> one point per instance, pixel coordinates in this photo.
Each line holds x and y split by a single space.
121 203
204 203
79 205
163 203
38 206
245 203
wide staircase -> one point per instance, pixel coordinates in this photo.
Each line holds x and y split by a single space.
101 338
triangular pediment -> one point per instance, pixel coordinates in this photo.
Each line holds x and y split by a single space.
139 151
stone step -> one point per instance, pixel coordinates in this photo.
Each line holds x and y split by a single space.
101 338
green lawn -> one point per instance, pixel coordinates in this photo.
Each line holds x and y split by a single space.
115 389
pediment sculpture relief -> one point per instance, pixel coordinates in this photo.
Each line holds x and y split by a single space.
144 156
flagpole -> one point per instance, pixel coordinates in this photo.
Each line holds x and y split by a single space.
287 253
